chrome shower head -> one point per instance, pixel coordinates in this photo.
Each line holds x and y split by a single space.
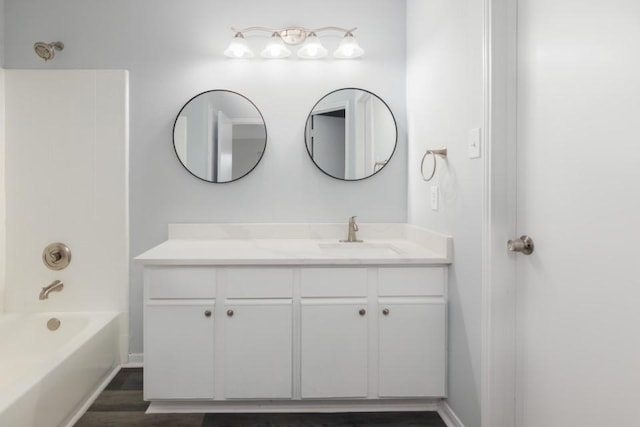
47 51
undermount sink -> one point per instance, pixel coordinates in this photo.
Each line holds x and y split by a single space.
358 248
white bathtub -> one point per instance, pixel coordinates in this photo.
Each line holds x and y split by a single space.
47 376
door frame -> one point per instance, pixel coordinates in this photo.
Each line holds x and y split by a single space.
498 358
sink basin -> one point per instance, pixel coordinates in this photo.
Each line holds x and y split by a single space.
358 249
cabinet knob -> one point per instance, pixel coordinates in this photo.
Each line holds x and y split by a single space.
385 311
230 313
362 312
207 313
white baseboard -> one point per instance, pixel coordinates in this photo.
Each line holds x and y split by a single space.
448 416
136 360
297 406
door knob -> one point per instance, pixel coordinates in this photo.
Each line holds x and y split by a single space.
524 244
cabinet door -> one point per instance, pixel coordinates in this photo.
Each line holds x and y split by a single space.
334 348
412 347
258 349
178 350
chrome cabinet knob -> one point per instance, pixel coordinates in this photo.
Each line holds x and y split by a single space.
230 313
385 311
207 313
362 312
523 244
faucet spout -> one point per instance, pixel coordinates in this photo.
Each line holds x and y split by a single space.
353 227
55 286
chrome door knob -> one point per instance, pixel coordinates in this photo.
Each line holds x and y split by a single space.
524 244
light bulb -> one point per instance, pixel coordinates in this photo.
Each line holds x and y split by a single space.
312 48
348 48
275 49
238 48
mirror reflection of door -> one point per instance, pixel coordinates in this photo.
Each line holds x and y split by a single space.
327 132
350 134
219 136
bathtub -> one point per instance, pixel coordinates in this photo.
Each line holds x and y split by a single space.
46 377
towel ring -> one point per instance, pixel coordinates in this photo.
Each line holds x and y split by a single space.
441 152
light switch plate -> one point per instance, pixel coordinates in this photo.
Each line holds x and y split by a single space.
474 139
435 198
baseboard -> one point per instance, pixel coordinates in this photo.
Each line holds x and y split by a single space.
92 398
136 360
297 406
448 416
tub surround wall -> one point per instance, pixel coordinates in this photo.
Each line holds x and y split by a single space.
444 101
67 181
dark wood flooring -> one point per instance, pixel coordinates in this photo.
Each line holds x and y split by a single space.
121 405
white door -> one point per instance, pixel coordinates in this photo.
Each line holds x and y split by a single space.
578 185
258 349
412 347
224 166
328 143
334 336
179 350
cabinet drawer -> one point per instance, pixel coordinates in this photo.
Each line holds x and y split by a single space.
334 282
411 281
181 282
259 283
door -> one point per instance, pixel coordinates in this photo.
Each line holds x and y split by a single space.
224 164
179 350
258 349
578 196
412 347
334 348
328 142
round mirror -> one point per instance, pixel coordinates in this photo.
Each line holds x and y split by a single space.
351 134
219 136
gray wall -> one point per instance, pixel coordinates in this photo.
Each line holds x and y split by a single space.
444 101
172 50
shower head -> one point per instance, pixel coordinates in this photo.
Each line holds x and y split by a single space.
47 51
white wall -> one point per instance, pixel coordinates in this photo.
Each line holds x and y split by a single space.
173 50
66 181
444 100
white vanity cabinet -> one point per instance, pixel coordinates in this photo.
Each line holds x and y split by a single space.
334 332
179 333
411 332
257 327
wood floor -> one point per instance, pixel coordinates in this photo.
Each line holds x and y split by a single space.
121 405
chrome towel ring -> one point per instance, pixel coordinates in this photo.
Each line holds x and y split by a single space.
440 152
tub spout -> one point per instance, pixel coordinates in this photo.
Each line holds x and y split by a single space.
55 286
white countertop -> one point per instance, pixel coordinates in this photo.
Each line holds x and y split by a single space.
297 244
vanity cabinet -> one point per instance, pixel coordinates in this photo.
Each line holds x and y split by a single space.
257 349
237 334
334 348
179 332
411 347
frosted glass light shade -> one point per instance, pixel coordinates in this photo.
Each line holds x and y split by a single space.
348 48
312 48
238 48
275 49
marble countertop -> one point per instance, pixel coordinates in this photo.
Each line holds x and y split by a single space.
283 244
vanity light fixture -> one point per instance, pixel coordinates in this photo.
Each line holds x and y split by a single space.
311 47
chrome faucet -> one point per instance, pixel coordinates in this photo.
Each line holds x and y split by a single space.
55 286
353 227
